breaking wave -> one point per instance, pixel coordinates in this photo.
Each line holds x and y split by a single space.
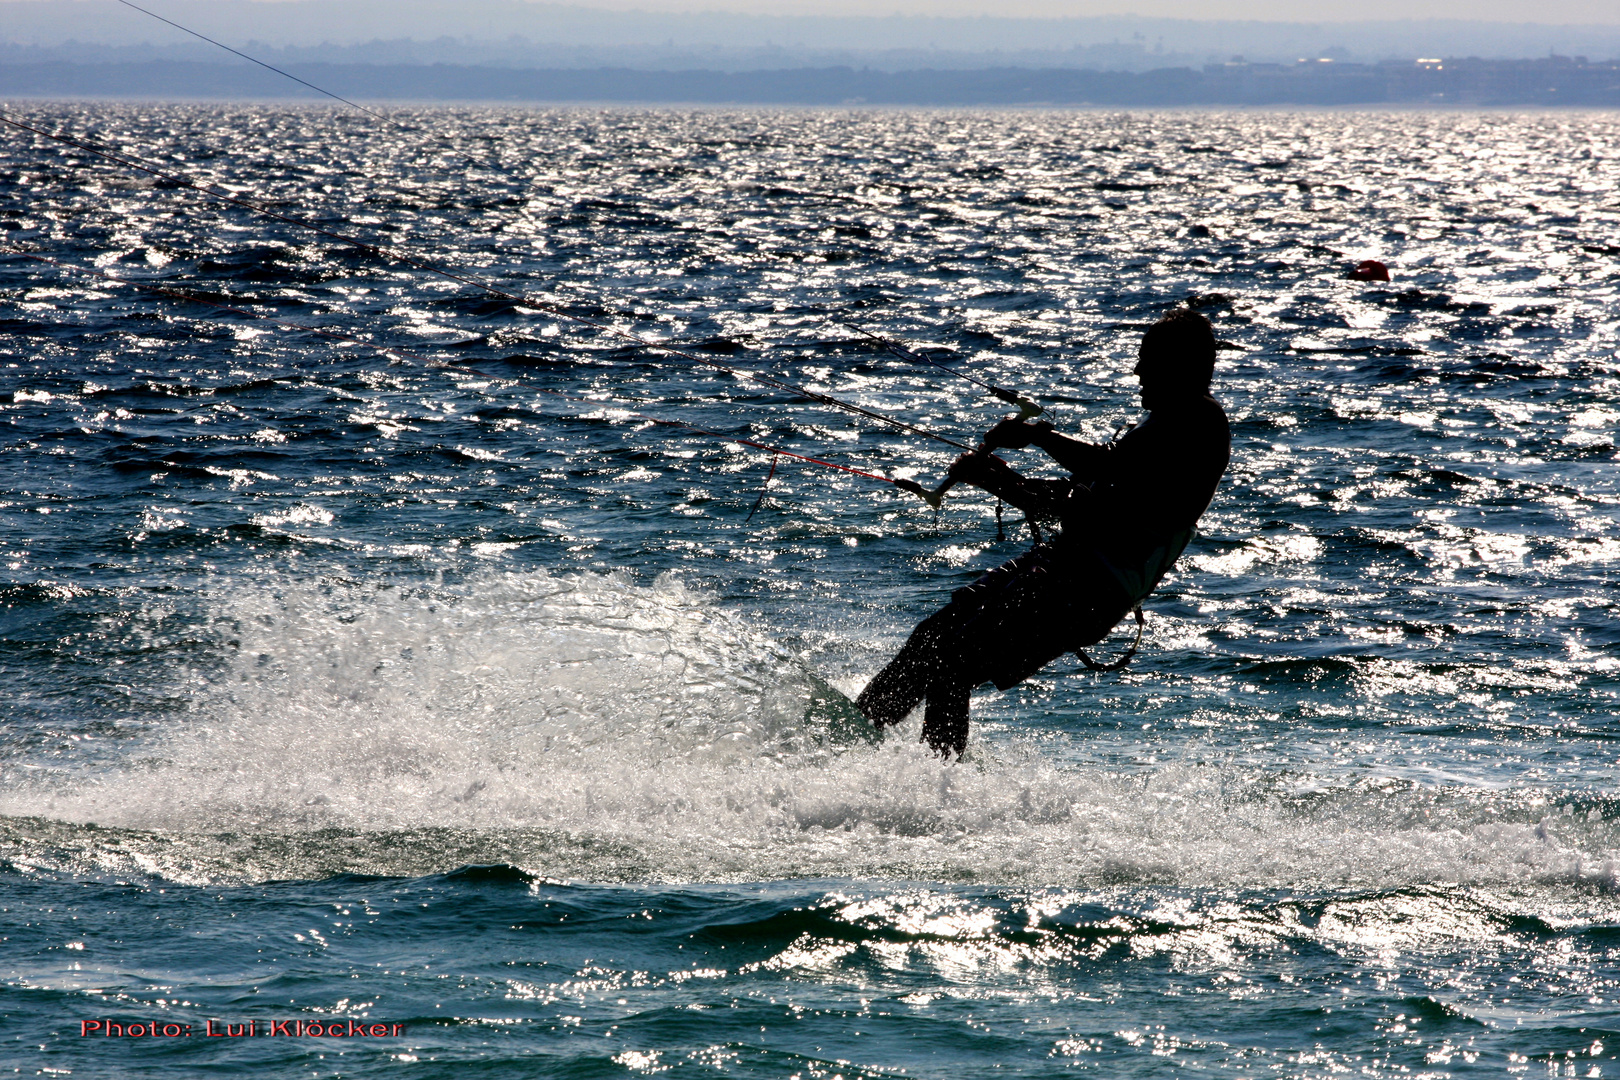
586 726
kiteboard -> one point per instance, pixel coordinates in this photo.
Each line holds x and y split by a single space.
835 717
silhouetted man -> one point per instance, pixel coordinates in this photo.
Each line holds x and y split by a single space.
1127 511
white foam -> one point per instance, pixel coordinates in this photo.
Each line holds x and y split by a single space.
302 514
585 726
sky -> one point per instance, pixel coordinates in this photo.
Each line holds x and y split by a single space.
1525 11
1316 11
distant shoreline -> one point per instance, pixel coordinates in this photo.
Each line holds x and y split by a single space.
1552 82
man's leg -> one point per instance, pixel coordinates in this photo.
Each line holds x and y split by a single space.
897 689
926 667
936 659
945 720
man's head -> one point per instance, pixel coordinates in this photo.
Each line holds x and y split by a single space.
1177 359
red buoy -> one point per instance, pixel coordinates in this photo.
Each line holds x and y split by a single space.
1370 270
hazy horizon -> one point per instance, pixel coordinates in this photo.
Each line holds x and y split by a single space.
515 33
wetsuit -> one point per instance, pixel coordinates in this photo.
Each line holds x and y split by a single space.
1127 510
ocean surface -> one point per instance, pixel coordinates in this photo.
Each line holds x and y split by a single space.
433 684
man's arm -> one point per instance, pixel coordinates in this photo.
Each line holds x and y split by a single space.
1037 498
1085 460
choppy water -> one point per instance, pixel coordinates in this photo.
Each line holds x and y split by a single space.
340 685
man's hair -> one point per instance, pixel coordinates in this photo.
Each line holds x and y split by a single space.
1185 342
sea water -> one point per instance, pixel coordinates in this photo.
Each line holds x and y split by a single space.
430 701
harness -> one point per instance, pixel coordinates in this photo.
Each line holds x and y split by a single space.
1137 582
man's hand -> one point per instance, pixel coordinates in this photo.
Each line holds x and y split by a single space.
1014 434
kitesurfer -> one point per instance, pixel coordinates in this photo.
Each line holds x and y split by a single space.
1127 510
